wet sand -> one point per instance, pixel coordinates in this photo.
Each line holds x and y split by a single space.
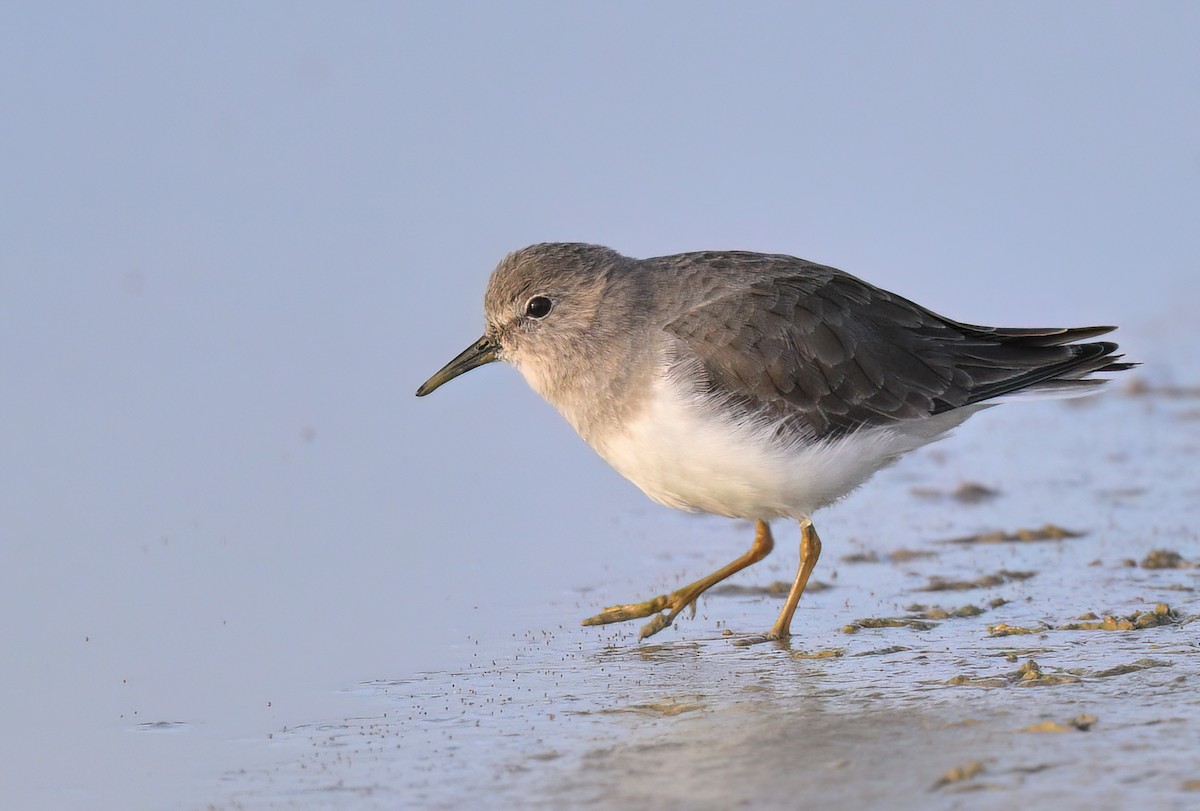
1010 621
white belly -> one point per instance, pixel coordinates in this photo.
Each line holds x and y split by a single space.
686 454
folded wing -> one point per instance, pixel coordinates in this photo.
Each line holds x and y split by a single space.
812 344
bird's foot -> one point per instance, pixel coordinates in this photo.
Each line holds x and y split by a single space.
668 604
784 638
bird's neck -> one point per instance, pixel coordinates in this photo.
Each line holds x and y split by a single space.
601 392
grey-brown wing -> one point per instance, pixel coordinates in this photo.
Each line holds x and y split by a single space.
827 349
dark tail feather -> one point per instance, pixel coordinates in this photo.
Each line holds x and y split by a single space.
1078 376
1045 336
1042 361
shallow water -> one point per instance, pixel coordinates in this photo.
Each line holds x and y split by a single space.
942 715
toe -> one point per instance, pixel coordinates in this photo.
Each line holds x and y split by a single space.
655 625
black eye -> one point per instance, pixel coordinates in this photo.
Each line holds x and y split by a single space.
538 307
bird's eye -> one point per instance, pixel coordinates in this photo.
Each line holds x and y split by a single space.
538 307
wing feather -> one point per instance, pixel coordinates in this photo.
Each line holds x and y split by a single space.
803 342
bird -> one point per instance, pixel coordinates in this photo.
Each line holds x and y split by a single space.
750 385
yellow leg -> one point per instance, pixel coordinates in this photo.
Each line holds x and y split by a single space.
810 551
671 604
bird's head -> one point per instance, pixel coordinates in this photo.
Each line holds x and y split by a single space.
542 309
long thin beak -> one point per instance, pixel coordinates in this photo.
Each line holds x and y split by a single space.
477 354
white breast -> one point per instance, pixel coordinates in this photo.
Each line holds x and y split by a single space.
687 453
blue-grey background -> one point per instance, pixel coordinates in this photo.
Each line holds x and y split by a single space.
235 237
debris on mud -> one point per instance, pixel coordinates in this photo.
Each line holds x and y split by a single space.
1121 670
1080 723
936 612
903 555
884 651
828 653
958 774
779 588
1032 674
1140 387
973 493
1004 629
886 622
1165 559
1029 674
937 583
921 617
1018 655
965 493
1138 620
1049 532
657 709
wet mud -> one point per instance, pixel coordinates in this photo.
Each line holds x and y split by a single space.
1050 673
